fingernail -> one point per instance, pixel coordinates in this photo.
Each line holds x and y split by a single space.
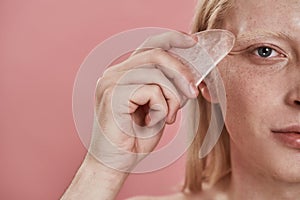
195 37
193 89
148 119
173 118
189 36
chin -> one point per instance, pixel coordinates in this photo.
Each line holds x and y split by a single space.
286 165
287 176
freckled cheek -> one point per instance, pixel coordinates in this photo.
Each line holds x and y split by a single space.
242 95
236 80
249 84
241 108
240 82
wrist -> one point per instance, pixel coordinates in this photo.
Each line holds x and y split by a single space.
95 181
92 165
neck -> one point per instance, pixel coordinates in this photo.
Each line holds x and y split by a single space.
247 182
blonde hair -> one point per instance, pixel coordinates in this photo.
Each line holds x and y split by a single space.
209 170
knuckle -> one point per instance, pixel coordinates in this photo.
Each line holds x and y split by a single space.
149 42
100 85
176 102
185 71
177 106
188 74
156 91
100 81
171 34
158 55
109 71
102 98
108 93
157 52
175 34
164 110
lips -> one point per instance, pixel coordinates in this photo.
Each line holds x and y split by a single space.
289 136
289 129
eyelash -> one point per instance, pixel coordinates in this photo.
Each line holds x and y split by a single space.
252 53
265 52
255 51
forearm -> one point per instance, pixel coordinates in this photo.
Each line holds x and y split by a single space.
95 181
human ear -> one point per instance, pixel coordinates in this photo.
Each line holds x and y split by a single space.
211 98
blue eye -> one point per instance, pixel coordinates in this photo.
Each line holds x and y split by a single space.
265 52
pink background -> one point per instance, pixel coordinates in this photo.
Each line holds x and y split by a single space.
42 46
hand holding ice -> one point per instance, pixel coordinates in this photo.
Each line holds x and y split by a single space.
213 45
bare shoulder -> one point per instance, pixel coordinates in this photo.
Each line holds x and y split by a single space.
177 196
217 192
168 197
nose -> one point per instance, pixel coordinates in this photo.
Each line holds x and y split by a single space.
297 93
297 102
296 97
294 94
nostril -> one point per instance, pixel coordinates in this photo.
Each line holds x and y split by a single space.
297 102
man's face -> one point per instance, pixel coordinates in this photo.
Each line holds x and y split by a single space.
262 83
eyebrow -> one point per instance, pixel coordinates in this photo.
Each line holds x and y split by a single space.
247 37
260 34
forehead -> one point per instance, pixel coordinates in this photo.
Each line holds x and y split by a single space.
271 15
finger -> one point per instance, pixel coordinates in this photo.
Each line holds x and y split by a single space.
164 41
144 75
147 76
126 104
167 41
178 73
153 96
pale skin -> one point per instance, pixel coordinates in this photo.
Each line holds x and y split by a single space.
263 95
